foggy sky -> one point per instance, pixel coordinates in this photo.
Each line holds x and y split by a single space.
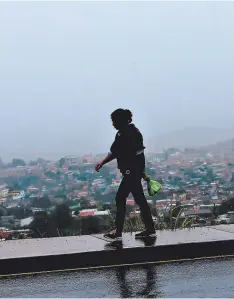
65 66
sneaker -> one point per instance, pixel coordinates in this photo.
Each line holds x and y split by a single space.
113 236
146 233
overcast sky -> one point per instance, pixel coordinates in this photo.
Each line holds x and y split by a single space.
64 66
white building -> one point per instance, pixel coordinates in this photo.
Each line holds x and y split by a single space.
19 195
99 183
94 212
3 191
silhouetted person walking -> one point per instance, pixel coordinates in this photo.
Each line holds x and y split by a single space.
128 149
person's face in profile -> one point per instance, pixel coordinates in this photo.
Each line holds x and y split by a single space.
116 124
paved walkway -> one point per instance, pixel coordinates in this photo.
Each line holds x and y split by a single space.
36 255
78 244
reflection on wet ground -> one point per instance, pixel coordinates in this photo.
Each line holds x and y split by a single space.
146 290
211 278
150 241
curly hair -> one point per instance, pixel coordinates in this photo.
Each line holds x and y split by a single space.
123 116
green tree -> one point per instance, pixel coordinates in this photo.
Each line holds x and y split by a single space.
39 224
20 212
69 203
190 173
76 175
62 162
232 179
62 216
129 210
50 174
98 196
210 174
58 175
42 202
26 181
215 210
226 206
91 225
3 212
18 162
105 173
84 204
176 180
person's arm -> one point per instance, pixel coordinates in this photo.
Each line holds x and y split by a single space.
106 160
111 156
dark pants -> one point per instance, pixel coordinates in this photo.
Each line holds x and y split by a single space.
131 183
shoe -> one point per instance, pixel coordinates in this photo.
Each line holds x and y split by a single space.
146 233
113 236
114 244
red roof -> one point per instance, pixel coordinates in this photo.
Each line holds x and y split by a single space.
86 213
130 202
4 234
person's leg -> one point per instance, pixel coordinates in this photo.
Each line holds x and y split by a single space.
138 194
121 196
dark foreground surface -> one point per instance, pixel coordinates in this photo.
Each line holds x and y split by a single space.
66 253
213 278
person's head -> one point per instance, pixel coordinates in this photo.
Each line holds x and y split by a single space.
121 118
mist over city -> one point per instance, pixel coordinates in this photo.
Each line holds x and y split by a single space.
65 66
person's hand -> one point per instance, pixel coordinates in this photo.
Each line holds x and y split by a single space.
145 177
98 167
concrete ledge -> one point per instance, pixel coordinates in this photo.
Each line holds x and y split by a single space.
39 255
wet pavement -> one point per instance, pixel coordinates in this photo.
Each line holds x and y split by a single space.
79 244
203 279
41 255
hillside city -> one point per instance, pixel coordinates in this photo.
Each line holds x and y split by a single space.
67 197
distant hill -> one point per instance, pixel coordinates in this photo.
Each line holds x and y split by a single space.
222 146
191 137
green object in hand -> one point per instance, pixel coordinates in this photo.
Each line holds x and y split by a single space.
153 186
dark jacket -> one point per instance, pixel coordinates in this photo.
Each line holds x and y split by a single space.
128 149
